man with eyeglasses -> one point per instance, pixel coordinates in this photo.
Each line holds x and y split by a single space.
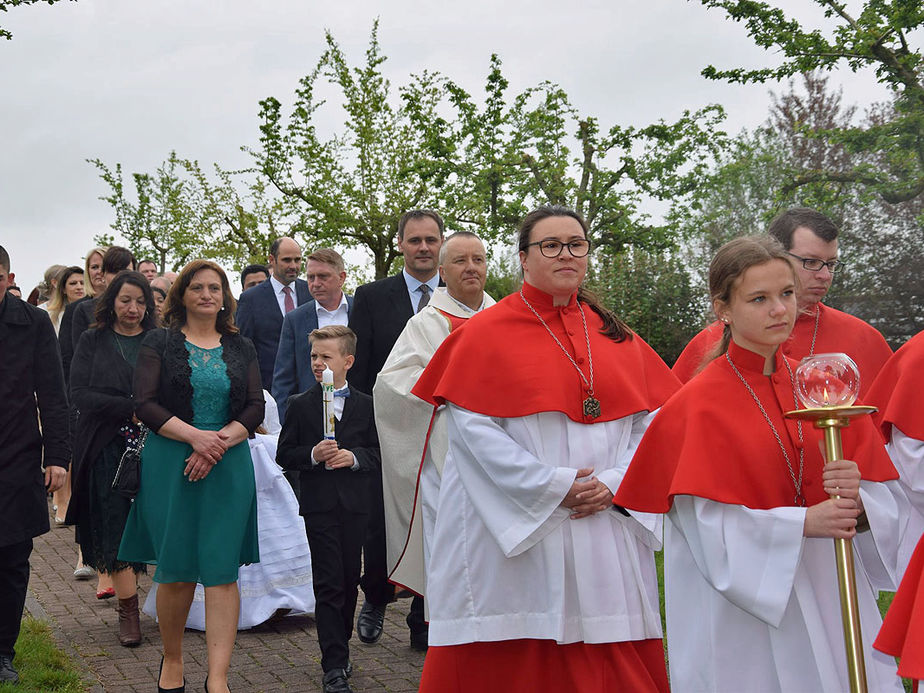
810 239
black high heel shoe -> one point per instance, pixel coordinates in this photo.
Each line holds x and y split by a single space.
178 689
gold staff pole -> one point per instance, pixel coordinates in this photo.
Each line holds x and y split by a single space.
827 385
831 420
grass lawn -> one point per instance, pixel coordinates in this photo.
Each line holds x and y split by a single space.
42 667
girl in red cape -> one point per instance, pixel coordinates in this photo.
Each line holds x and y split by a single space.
896 391
751 593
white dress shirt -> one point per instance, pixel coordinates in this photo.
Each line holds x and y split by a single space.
278 287
337 316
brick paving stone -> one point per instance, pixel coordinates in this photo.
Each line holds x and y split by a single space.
281 655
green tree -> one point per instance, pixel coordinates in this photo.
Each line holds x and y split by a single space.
880 242
654 295
7 4
351 188
499 160
749 184
876 37
158 222
237 214
178 213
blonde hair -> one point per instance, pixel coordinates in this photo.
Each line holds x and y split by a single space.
341 333
87 282
58 301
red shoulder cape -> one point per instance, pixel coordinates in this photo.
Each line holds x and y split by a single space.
895 390
710 440
837 332
502 362
902 631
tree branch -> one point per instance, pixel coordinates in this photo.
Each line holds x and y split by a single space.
839 9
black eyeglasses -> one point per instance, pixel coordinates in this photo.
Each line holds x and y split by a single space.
552 248
813 264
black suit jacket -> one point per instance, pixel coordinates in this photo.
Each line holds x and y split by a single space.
380 311
101 388
322 489
259 319
66 334
30 379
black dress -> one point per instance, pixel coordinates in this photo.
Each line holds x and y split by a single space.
101 383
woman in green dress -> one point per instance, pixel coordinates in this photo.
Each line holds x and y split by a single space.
197 387
101 390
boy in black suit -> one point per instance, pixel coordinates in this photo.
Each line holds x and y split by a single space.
335 481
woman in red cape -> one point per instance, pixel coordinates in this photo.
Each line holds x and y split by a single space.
536 582
751 594
896 391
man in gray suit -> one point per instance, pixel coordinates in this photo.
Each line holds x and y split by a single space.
329 306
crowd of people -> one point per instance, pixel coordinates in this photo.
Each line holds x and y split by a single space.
511 467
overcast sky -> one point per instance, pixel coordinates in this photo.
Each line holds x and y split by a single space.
128 81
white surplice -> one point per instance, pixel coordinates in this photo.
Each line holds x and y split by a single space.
752 605
507 560
402 421
907 455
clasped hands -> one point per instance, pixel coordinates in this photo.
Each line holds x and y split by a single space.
328 453
587 495
208 448
836 517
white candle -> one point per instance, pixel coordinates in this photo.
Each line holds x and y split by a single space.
327 395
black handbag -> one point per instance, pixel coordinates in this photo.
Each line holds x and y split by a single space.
127 479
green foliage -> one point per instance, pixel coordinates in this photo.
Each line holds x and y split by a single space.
156 224
497 161
748 186
890 153
351 188
882 244
654 295
178 213
504 278
7 4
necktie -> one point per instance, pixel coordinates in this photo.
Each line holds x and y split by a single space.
424 297
289 303
345 392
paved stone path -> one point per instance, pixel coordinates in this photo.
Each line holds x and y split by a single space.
279 655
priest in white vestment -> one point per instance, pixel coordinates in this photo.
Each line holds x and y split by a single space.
410 480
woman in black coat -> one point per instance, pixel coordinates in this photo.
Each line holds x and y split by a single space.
101 390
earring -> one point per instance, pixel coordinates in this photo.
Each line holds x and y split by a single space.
221 309
725 320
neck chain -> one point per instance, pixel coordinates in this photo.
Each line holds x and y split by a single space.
591 404
118 342
815 331
798 499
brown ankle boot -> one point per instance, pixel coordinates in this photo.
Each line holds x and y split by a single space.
129 626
